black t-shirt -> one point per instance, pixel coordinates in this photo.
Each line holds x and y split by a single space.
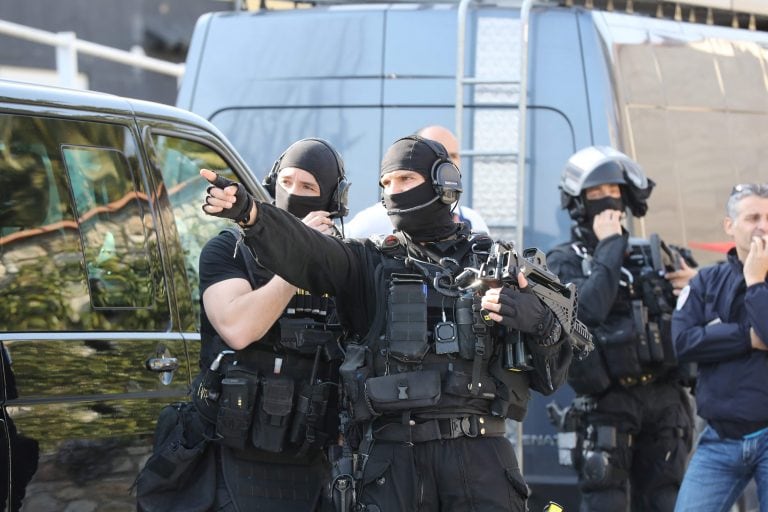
220 260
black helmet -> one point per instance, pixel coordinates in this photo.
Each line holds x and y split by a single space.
598 165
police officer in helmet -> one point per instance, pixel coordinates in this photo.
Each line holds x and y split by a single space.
425 386
635 419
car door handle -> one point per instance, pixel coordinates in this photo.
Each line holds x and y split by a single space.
162 364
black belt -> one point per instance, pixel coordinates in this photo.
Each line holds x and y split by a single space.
440 428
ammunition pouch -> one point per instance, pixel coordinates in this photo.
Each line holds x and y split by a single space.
403 391
238 398
618 340
273 416
406 333
265 411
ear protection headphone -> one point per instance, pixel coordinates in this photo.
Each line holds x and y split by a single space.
339 197
446 177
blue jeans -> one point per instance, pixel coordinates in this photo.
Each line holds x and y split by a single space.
720 469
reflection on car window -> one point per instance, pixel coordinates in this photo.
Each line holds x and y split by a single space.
113 237
179 161
78 244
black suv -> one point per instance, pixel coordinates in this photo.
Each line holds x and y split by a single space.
100 233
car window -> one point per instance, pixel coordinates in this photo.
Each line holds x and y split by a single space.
179 160
117 266
78 245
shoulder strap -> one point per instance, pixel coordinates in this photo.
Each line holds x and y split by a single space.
252 265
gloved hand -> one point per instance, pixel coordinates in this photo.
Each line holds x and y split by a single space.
519 309
232 202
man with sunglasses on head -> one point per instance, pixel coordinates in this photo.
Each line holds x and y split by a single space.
426 386
721 323
632 420
277 349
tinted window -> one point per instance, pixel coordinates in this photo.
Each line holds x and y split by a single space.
179 161
78 247
117 266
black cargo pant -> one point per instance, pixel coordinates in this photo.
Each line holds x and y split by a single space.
246 484
658 419
461 475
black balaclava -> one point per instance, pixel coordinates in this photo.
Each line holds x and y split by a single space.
592 207
418 212
316 158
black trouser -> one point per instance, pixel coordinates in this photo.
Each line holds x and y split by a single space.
659 420
248 485
462 475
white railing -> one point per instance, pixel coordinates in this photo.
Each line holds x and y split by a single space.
68 46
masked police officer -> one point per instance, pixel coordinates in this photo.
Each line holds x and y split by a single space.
426 386
270 352
635 416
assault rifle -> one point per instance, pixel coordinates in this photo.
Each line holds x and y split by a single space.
501 268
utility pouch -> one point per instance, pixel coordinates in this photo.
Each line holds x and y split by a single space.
354 371
410 390
667 345
406 333
640 319
618 339
180 475
309 417
303 335
238 396
459 383
273 417
589 376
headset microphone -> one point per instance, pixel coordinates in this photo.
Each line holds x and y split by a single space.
396 211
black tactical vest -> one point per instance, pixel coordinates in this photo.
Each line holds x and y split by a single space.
428 354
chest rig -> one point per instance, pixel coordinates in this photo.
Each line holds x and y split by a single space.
636 339
430 353
278 395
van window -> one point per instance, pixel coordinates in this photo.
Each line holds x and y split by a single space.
78 245
117 266
179 161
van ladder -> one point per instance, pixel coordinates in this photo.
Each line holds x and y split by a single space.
485 129
493 130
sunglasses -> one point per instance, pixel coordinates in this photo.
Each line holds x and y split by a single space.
750 188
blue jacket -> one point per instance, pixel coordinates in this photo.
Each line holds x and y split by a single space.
711 327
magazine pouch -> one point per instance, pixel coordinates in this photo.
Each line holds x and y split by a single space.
274 413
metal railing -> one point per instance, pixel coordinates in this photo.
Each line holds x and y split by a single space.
68 46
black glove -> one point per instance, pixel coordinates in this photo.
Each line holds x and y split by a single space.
241 210
522 311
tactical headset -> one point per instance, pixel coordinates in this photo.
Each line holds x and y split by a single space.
339 197
446 177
